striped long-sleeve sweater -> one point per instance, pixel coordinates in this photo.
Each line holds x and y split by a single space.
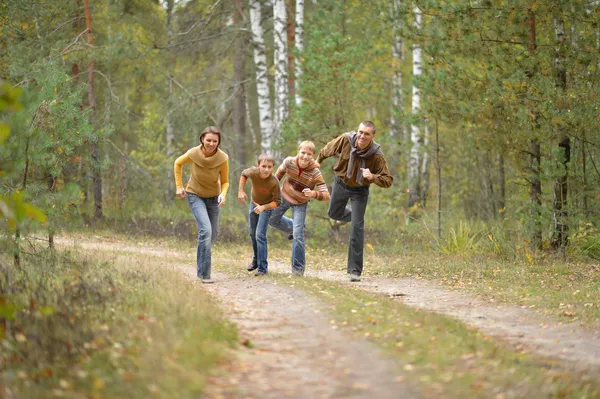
298 179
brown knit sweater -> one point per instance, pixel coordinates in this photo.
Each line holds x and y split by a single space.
210 175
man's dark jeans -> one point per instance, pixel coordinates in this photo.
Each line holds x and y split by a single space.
355 213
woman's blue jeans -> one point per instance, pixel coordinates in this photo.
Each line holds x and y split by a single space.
294 226
257 227
206 212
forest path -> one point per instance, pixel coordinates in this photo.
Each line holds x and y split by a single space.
520 327
290 349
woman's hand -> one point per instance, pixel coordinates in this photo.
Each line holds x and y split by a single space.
221 200
181 193
242 197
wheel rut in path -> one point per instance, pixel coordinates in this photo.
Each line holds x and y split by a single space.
537 334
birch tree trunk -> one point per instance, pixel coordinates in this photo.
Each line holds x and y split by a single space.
169 131
281 67
397 130
414 175
299 48
560 236
96 173
262 79
535 192
239 97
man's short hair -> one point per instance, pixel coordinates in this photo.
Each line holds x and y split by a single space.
266 158
309 145
369 124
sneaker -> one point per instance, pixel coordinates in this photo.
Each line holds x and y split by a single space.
252 267
297 274
354 277
207 280
339 223
260 273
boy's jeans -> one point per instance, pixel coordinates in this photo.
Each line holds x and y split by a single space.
206 212
257 226
359 197
295 227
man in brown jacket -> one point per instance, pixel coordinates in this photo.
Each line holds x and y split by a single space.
360 163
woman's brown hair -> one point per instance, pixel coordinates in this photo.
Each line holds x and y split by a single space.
211 130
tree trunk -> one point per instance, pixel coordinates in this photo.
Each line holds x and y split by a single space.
535 191
425 166
501 184
414 175
239 97
281 67
299 48
397 57
169 129
438 170
96 172
291 40
560 236
262 80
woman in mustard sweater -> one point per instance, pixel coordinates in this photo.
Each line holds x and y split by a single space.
206 191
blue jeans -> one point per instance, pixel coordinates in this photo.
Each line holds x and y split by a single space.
296 227
206 212
257 226
359 197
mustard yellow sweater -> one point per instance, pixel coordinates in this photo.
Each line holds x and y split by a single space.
207 172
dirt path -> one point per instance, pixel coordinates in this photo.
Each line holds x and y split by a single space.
521 327
295 352
292 351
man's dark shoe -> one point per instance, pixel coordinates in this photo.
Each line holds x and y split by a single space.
259 273
252 267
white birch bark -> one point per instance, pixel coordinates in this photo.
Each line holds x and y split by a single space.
299 48
397 56
281 66
262 77
415 132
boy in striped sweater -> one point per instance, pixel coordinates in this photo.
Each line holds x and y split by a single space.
265 198
304 182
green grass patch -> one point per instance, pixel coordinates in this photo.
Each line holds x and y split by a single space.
115 325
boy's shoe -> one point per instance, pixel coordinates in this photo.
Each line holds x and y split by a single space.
354 277
260 273
252 267
207 280
297 274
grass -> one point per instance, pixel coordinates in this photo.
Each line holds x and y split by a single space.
111 326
